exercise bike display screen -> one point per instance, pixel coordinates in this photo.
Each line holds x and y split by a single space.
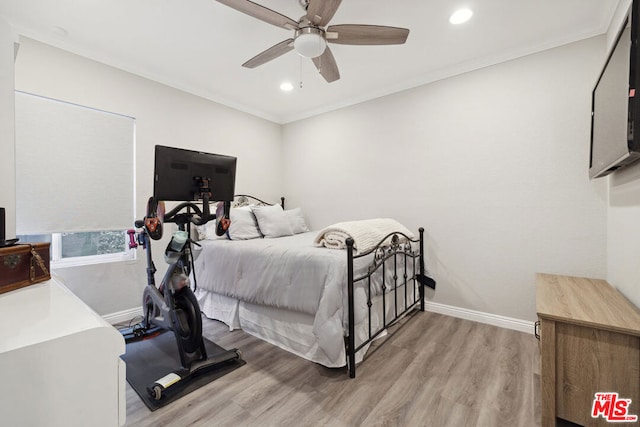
178 174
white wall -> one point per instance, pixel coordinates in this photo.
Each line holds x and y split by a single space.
492 163
163 116
623 232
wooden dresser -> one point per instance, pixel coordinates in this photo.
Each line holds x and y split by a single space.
589 343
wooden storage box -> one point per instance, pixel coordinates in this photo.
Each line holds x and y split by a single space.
23 265
590 343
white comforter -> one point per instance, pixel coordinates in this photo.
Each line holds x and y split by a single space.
287 272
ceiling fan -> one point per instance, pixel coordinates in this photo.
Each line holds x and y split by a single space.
311 37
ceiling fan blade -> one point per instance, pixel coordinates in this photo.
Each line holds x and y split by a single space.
366 34
326 65
272 53
262 13
320 12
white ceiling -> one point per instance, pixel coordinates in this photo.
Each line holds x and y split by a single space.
199 45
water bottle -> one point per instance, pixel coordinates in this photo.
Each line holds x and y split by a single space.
178 240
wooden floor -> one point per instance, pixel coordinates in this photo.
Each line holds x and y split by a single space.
433 370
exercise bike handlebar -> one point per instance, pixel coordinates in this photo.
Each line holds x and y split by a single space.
197 217
152 222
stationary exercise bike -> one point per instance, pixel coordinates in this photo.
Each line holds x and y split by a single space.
172 305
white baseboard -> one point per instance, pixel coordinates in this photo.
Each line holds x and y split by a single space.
479 316
449 310
123 316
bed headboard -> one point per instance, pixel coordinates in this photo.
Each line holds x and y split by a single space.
240 200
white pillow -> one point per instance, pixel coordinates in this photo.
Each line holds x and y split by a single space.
296 220
272 220
208 231
202 231
243 224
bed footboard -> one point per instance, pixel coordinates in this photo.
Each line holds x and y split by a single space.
405 293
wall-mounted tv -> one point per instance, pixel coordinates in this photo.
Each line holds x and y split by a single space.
614 110
179 174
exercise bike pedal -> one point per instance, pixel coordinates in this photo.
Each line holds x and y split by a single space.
137 333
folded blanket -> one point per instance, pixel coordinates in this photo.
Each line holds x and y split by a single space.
366 234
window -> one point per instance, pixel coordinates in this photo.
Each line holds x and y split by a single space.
75 169
83 248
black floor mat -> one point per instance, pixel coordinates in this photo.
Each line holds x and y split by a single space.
151 359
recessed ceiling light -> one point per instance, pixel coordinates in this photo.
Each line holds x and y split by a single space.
460 16
286 86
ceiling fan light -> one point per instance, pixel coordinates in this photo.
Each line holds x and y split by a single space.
309 42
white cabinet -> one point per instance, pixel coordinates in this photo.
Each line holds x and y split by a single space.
59 361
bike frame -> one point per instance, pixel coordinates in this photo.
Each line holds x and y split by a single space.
162 297
159 302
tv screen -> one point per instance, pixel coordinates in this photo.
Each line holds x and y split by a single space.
179 174
614 112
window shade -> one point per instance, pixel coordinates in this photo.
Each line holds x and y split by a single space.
74 167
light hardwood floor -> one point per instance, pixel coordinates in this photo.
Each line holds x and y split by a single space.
433 370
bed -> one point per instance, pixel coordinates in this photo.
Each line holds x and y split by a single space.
323 295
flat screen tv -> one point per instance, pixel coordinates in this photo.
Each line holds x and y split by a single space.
614 110
179 175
